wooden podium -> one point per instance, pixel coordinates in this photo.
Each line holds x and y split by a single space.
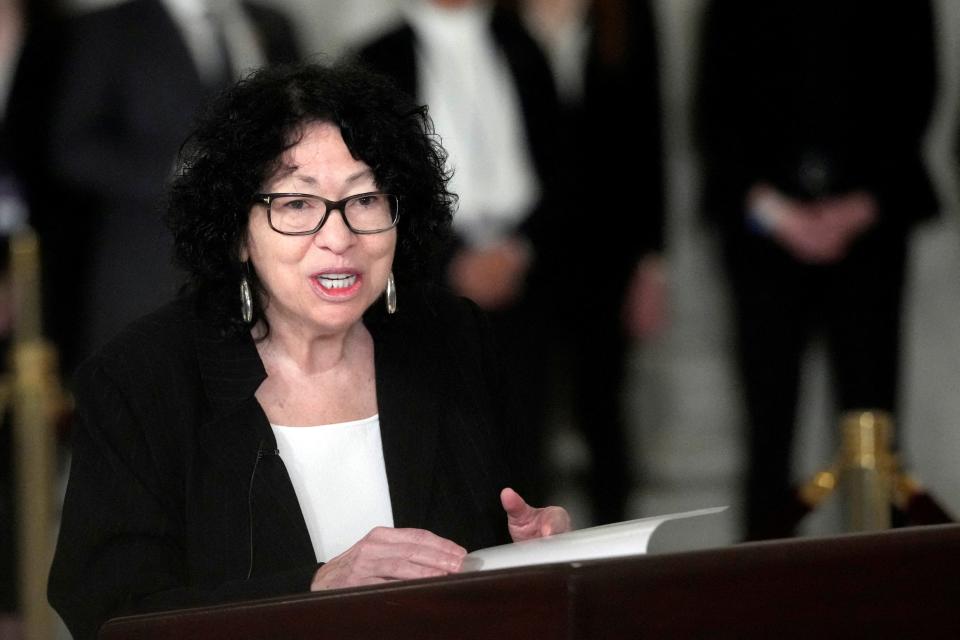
902 583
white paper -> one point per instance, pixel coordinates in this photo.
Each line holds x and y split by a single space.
627 538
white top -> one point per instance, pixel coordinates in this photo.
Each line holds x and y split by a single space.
467 85
340 479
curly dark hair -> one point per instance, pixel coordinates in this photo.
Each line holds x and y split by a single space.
237 145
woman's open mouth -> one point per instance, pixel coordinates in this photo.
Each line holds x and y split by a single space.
338 284
337 280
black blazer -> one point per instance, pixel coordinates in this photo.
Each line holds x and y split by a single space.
619 116
817 97
176 492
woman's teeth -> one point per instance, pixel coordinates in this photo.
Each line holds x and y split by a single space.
336 280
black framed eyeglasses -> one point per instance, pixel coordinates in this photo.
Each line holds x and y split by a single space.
302 214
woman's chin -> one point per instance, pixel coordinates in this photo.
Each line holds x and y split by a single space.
340 314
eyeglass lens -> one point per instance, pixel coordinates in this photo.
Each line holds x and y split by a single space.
364 212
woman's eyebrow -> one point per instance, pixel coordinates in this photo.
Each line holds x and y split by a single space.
310 180
306 179
351 179
359 175
284 171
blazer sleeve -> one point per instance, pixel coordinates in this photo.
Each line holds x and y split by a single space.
122 540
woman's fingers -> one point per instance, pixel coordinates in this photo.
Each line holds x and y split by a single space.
390 554
516 507
553 520
419 537
407 568
525 522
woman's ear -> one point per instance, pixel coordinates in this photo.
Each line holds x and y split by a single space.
244 254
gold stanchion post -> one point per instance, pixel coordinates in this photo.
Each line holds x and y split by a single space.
868 468
869 478
37 402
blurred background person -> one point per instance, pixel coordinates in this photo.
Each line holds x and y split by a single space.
811 118
109 95
603 55
491 96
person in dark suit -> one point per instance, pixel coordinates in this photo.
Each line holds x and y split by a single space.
312 413
107 99
492 98
811 122
605 62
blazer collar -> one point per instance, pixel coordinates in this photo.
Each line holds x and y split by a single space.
234 426
230 368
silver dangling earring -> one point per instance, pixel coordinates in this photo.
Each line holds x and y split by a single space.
246 300
391 294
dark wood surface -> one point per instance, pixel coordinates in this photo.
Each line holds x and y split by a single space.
902 583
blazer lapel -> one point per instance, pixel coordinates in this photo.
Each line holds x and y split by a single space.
409 420
238 436
231 372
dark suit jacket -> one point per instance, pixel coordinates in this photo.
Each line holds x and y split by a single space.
613 157
394 55
120 94
171 444
817 97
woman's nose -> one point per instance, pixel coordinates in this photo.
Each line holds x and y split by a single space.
334 235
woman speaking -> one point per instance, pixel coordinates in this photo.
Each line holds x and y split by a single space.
311 413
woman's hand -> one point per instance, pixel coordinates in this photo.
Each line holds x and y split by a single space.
390 554
526 522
